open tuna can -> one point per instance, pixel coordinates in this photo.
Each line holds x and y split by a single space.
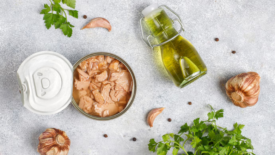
49 83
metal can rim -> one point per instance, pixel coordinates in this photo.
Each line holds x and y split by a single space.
131 100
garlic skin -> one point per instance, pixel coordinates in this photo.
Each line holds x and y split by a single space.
53 142
152 115
244 89
99 22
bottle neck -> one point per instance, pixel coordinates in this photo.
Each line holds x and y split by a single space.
165 35
160 26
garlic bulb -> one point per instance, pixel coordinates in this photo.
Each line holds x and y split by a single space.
53 142
244 89
152 115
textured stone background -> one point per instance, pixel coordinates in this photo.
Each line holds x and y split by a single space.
247 26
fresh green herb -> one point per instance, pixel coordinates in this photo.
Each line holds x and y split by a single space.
55 15
206 138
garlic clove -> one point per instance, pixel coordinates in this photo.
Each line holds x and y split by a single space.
152 115
53 151
47 141
244 89
53 142
99 22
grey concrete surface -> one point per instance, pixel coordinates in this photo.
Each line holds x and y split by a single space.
247 26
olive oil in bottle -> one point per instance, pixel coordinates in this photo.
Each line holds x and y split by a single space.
179 57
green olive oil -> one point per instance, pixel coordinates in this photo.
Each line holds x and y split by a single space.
180 58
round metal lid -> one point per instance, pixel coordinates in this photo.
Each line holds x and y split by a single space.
46 82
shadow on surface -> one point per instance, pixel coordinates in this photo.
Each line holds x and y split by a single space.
34 137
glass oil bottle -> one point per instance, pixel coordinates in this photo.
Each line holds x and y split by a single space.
179 57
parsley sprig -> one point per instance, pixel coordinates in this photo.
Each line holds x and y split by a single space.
206 138
55 15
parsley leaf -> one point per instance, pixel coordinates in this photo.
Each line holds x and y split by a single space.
211 115
222 151
196 121
162 149
175 151
166 137
57 1
206 138
211 134
60 21
190 153
48 20
195 141
66 29
73 13
152 145
56 7
219 114
69 3
178 138
57 16
46 10
184 128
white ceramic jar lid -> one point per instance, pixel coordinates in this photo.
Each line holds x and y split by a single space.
46 80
